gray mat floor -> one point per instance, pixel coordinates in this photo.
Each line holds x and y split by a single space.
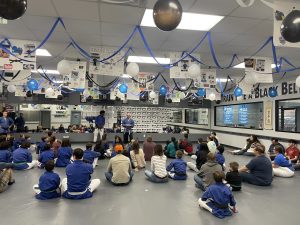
146 203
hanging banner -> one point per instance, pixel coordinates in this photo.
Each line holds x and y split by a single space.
208 79
142 77
260 68
55 94
181 69
268 112
16 77
20 49
77 77
111 67
21 91
281 10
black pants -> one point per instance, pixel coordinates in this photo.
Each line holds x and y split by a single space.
127 136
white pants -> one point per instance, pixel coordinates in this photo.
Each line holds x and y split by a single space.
33 164
283 172
98 131
93 185
192 166
95 162
203 205
194 157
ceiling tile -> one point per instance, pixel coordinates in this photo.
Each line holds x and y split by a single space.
82 26
216 7
15 29
113 29
77 9
186 4
37 9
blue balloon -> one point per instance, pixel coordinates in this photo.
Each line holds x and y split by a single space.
32 85
123 88
238 92
273 92
163 90
201 92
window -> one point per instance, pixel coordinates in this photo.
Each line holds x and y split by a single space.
196 116
248 115
288 115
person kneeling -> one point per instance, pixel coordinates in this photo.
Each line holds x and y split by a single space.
177 168
281 166
49 183
78 184
119 170
217 198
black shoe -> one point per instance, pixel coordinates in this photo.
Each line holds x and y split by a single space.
11 182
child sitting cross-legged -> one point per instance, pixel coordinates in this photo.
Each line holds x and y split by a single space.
218 198
90 156
177 168
233 177
45 156
49 184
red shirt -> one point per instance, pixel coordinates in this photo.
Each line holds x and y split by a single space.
292 152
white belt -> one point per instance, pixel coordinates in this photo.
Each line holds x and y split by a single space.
77 193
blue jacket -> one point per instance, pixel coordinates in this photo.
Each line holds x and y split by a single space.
281 161
21 157
79 175
40 146
220 158
45 157
64 156
178 166
220 197
89 155
5 156
100 121
48 184
5 124
128 124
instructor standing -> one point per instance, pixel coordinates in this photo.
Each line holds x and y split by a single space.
6 123
99 125
128 124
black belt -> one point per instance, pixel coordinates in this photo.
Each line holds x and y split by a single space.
220 206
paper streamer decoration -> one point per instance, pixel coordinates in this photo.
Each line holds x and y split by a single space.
112 67
281 10
20 49
181 69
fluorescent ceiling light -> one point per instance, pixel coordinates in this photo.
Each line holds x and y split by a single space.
242 66
54 72
42 52
222 80
189 21
146 59
126 76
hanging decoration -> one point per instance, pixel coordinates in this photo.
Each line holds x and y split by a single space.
163 90
298 81
123 88
152 95
212 97
76 77
12 9
11 88
290 28
167 14
64 67
49 91
201 92
32 85
195 70
133 69
273 92
238 92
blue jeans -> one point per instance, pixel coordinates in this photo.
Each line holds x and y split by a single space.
251 179
151 177
109 176
199 183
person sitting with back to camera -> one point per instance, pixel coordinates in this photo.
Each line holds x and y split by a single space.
177 168
46 156
90 156
5 154
78 184
49 184
172 148
187 145
282 167
22 158
211 144
201 158
119 170
205 176
137 156
220 157
218 198
158 172
233 177
64 154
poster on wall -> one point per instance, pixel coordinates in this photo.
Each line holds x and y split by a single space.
268 112
213 91
181 69
228 115
21 91
207 79
55 94
243 114
112 67
77 77
259 68
24 60
142 78
280 11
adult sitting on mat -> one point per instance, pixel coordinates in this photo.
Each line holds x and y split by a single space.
249 148
259 170
78 184
6 176
282 167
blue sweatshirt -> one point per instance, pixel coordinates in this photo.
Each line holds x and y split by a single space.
220 197
281 161
178 166
48 184
40 146
5 156
64 156
220 158
21 157
128 124
100 121
45 157
89 155
78 175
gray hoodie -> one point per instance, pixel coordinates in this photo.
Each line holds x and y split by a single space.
207 170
